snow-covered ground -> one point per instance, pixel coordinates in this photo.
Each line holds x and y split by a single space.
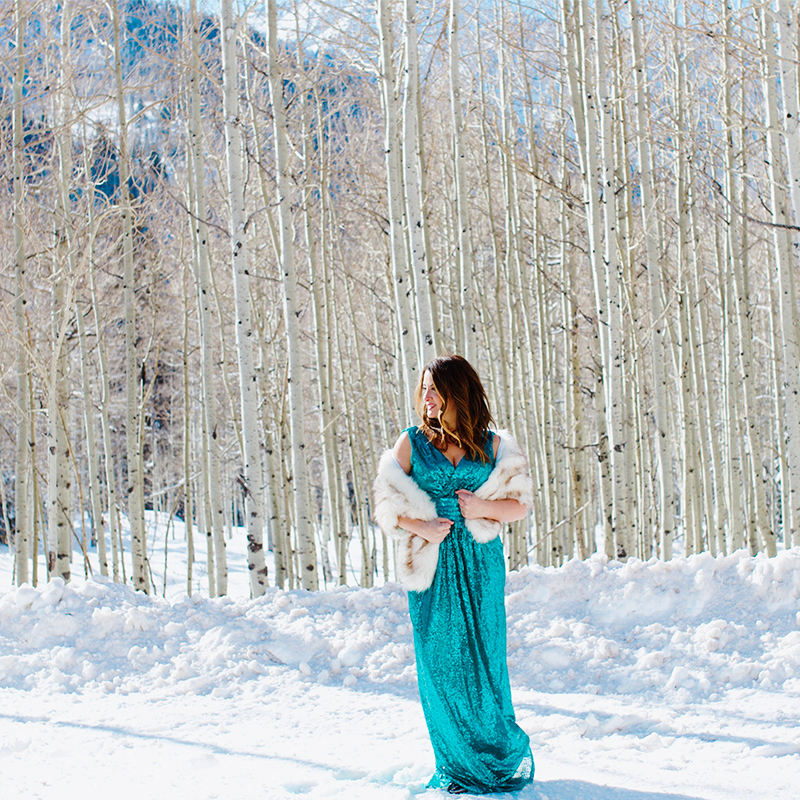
674 681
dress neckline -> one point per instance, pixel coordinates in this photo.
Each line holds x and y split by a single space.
458 463
437 450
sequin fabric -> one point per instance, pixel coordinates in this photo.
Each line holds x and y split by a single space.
460 641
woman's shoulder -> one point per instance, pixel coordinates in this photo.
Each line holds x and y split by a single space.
402 451
415 435
507 446
410 438
415 442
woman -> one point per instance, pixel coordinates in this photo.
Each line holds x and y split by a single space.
443 492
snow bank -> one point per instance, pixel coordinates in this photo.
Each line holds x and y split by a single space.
690 628
694 626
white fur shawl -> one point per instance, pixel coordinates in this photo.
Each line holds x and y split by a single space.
398 495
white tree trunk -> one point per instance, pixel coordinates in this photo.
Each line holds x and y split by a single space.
302 505
402 282
135 477
22 524
117 555
583 104
188 512
759 525
252 474
691 465
58 486
705 384
333 527
206 309
615 365
731 404
471 317
64 271
418 258
786 263
658 341
89 421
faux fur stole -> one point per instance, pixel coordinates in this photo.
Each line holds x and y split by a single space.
398 495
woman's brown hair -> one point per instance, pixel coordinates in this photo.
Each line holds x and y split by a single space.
459 387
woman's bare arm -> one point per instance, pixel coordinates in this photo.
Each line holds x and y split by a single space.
402 452
434 530
472 507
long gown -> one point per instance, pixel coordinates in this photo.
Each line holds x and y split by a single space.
460 640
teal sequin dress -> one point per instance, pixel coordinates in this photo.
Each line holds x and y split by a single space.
460 641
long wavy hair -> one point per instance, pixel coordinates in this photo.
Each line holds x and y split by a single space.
459 387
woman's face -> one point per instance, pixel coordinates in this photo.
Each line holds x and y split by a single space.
430 397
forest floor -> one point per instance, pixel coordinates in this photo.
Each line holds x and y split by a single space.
673 681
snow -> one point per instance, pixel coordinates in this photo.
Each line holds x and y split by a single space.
672 680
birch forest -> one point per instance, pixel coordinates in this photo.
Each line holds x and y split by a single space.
232 234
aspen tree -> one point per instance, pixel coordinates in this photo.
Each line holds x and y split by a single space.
691 520
188 510
708 476
573 414
303 522
634 388
133 456
785 242
753 458
94 411
471 335
686 302
384 431
585 130
38 520
322 305
91 445
63 276
280 519
733 472
206 513
278 530
58 485
358 483
22 467
252 476
527 355
205 308
4 510
498 324
759 525
781 503
704 382
508 287
707 440
614 361
492 215
402 279
109 460
332 456
658 343
418 258
337 482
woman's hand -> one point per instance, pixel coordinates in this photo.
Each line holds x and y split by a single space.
433 531
472 507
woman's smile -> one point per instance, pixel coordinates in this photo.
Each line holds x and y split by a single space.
431 398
